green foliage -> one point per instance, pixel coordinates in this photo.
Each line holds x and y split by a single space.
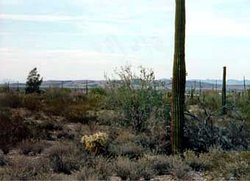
12 130
11 100
56 101
136 97
98 91
243 103
200 136
32 102
33 82
212 101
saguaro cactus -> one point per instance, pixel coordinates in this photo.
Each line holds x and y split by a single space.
179 79
224 91
244 84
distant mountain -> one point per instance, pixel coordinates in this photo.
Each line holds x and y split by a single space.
73 83
229 81
207 84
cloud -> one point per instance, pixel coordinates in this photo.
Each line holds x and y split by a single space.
38 18
218 18
11 2
208 24
59 64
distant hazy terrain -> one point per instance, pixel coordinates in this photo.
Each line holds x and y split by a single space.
207 84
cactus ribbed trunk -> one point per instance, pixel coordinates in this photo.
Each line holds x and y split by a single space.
179 79
244 82
224 91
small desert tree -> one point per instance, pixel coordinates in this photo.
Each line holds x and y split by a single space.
33 82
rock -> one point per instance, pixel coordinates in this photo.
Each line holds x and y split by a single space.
115 178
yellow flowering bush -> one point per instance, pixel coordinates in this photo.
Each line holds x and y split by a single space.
95 143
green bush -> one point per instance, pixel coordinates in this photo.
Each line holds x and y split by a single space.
79 113
11 100
232 135
56 101
212 101
12 130
32 102
136 97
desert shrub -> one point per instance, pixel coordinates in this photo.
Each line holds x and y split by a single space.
103 167
200 136
96 143
43 129
156 139
50 125
37 130
11 100
56 101
166 165
178 168
87 173
32 102
23 168
195 162
244 106
126 168
160 164
124 136
108 117
130 150
212 101
2 158
150 166
146 169
64 158
65 134
135 96
79 113
227 165
29 147
12 130
98 91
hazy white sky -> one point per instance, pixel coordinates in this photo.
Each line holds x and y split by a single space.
79 39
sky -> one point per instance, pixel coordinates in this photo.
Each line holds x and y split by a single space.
85 39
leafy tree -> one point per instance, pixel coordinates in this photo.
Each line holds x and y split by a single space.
33 82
